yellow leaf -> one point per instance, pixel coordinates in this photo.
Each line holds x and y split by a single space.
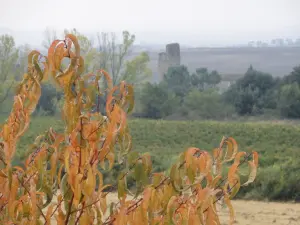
103 204
111 159
215 181
5 132
33 199
108 79
255 158
48 214
238 156
146 158
171 207
121 185
53 164
232 149
89 183
84 219
58 55
77 189
252 175
13 194
67 159
189 156
231 211
51 51
193 217
60 218
75 42
146 197
232 172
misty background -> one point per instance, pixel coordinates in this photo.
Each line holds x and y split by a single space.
194 23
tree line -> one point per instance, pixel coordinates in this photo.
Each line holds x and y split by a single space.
198 95
180 95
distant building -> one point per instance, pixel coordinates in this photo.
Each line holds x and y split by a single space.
168 59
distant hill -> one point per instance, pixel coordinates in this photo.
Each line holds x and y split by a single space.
278 61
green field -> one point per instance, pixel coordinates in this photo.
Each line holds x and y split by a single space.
278 145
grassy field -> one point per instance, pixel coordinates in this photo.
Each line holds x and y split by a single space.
276 143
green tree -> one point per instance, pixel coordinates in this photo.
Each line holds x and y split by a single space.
157 101
214 78
21 63
289 100
50 96
178 80
252 93
114 55
294 76
137 71
8 58
49 36
202 79
207 104
256 79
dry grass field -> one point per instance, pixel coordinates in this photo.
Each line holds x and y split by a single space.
251 212
256 213
264 213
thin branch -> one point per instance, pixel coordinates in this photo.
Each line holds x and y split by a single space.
69 210
162 182
41 211
80 214
134 206
86 206
57 206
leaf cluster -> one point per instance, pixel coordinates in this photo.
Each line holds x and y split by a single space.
62 180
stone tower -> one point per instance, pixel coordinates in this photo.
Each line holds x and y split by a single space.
168 59
173 52
163 64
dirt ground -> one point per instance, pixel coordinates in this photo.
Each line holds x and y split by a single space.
257 213
263 213
252 212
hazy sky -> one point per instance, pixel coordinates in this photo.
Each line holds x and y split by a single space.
188 21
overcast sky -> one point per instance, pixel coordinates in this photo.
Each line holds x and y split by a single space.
160 21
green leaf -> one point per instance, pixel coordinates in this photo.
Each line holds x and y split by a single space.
111 209
190 174
99 216
140 173
47 189
66 191
175 177
132 157
121 185
146 158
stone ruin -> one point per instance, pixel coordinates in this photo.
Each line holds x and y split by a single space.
168 59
